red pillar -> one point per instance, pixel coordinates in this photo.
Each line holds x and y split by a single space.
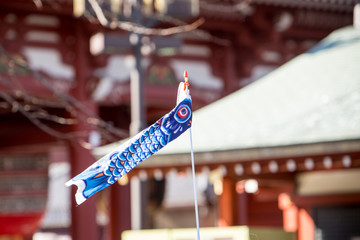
242 204
226 203
83 217
242 209
230 78
120 211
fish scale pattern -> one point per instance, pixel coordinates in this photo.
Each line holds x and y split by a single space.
151 141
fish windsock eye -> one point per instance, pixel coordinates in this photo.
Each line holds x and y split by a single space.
183 114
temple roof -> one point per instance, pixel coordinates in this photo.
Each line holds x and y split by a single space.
313 98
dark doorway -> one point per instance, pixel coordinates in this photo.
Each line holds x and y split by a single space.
337 222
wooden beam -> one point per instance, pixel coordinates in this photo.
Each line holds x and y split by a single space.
323 200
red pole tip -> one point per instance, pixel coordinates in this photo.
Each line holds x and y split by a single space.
186 80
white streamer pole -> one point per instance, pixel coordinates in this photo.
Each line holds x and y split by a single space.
193 171
194 185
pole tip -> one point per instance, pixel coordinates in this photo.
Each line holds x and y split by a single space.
186 84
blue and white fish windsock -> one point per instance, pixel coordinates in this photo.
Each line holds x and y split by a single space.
115 164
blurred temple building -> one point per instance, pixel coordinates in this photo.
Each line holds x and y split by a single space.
280 152
290 158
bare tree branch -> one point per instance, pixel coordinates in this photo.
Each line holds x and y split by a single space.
136 28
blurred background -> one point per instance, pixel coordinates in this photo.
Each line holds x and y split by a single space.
275 86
